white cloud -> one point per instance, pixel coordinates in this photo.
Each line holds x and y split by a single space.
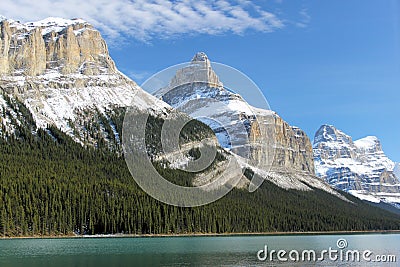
146 20
305 18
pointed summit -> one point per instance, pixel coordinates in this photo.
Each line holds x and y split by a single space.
200 56
198 71
328 133
201 59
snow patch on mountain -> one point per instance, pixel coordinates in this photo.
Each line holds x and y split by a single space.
366 143
51 24
290 180
364 195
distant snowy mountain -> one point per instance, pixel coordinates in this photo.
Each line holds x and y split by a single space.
61 71
359 167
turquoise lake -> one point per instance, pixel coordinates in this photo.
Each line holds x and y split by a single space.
195 251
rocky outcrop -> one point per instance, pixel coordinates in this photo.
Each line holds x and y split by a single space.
27 55
290 146
5 41
70 46
293 148
198 71
61 71
359 167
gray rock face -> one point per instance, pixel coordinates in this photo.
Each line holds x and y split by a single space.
62 72
294 148
198 71
66 45
359 167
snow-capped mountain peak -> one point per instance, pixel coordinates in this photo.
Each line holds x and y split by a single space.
360 167
328 133
369 143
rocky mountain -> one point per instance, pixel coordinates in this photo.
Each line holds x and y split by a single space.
276 151
359 167
61 95
61 71
58 73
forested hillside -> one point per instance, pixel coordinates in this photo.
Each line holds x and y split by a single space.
52 185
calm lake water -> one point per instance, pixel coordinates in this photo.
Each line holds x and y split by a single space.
190 251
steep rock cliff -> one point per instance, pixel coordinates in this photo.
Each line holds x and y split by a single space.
61 70
68 46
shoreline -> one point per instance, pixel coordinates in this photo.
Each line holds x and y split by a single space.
73 236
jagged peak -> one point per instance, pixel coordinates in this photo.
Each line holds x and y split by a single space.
198 71
200 56
201 60
329 133
57 21
327 126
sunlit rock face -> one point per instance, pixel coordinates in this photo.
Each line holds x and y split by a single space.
60 69
68 46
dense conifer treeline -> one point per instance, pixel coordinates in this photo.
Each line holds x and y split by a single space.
50 185
58 187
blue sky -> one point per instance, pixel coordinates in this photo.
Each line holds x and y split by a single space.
317 62
341 67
